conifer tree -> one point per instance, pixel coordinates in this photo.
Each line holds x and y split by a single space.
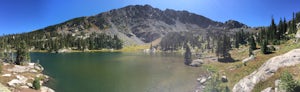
22 54
264 48
187 55
223 46
252 43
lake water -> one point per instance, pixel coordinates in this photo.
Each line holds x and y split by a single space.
118 72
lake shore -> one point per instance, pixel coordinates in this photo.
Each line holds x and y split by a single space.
17 78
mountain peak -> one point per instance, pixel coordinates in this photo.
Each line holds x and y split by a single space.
234 24
138 24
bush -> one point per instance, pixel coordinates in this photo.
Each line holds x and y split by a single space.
288 83
214 85
36 84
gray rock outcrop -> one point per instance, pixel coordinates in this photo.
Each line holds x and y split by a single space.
252 57
267 70
269 89
196 62
46 89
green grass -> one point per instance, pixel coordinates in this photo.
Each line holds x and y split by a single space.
135 48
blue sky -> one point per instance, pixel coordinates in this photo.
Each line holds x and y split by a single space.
17 16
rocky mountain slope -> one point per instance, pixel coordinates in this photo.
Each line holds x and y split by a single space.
139 24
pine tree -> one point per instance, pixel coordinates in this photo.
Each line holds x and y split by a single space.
226 46
252 43
118 42
22 54
223 46
272 32
293 25
264 48
237 40
187 55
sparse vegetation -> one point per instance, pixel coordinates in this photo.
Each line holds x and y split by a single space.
288 83
236 71
214 85
36 84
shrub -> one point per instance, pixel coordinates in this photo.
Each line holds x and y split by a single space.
288 83
36 84
214 85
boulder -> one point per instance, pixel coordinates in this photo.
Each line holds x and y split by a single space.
22 79
24 87
64 50
203 80
6 75
252 57
29 84
198 79
224 79
196 62
277 86
269 89
14 82
46 89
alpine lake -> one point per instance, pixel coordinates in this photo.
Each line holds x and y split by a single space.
118 72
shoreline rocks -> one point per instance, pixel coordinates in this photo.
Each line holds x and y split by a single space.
20 78
202 81
196 62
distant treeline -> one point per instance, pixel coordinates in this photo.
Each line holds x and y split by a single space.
53 41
